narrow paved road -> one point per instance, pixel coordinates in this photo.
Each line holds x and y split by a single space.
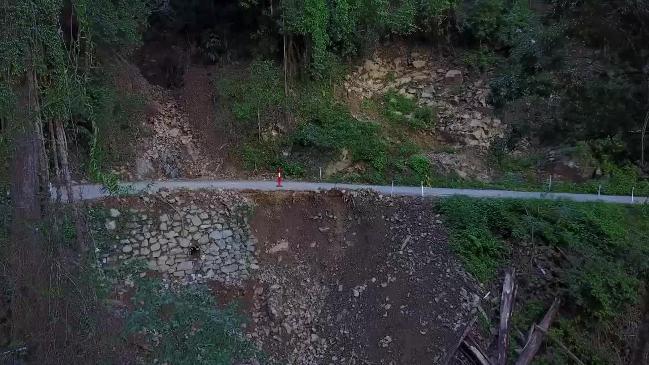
90 191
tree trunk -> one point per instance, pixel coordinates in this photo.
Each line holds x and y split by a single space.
55 160
285 63
640 355
476 352
642 139
67 180
35 109
506 307
536 335
25 185
259 124
451 354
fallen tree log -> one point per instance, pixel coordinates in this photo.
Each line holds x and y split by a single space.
506 308
476 352
535 339
451 354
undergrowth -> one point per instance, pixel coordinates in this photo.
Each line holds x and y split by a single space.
405 111
601 253
183 325
324 128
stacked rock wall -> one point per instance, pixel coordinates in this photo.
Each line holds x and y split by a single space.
192 236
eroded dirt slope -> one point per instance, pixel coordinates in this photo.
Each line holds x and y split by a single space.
356 279
324 278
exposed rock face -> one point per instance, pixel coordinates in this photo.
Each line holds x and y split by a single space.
193 241
453 77
169 148
465 118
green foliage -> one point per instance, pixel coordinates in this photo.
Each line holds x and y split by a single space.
480 60
472 236
329 127
113 118
341 28
602 265
109 180
184 325
484 18
517 20
601 107
114 23
497 22
71 88
256 94
420 165
605 288
267 156
601 276
400 109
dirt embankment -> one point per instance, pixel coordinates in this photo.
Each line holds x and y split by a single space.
355 279
335 277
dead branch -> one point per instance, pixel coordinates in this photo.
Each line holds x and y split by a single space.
535 339
506 307
451 354
563 347
476 352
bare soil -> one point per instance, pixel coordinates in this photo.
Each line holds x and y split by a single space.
349 278
197 97
391 290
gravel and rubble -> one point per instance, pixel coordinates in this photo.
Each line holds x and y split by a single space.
288 304
170 147
324 278
461 101
368 278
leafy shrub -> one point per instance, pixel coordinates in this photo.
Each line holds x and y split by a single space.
330 127
480 60
244 112
423 117
484 18
602 288
258 92
601 275
471 236
420 164
184 325
601 107
400 109
267 156
517 20
399 103
535 52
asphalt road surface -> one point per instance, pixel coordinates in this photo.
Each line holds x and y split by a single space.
94 191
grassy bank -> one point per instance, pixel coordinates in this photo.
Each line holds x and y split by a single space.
593 256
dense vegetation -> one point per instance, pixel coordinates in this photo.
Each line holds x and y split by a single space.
566 74
181 325
324 126
563 74
593 256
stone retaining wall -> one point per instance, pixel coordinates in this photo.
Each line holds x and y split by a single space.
192 237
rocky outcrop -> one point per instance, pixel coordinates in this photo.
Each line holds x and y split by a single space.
465 117
198 239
